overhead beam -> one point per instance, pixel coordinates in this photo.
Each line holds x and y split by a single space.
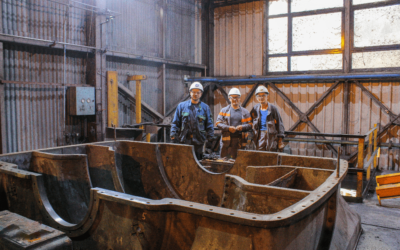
291 78
45 43
158 60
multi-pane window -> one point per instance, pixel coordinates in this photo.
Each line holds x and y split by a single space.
310 35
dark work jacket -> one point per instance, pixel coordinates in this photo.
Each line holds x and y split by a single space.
275 126
199 129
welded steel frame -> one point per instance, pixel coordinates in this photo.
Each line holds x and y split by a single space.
303 117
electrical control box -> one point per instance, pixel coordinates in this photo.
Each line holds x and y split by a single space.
81 101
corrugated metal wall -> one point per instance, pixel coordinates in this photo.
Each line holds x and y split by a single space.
34 116
45 19
238 39
136 29
142 18
175 88
328 117
37 64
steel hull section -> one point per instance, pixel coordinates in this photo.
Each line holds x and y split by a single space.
157 196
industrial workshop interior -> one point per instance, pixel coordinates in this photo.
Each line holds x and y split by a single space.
200 124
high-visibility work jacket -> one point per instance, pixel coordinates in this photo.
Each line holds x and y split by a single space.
224 122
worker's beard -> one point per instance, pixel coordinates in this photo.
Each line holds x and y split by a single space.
195 100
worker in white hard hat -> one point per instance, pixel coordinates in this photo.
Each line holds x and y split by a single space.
234 121
267 123
192 123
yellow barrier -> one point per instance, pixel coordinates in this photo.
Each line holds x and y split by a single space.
388 186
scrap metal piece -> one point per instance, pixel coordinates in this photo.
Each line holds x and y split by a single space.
17 232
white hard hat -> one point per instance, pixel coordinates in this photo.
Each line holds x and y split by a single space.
234 91
196 85
262 89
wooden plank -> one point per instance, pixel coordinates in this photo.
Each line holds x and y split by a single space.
389 190
112 100
388 179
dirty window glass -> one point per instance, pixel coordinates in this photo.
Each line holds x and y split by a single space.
278 7
317 32
317 62
376 59
277 64
278 36
304 5
355 2
377 26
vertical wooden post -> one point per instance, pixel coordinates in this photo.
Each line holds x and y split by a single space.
360 166
112 100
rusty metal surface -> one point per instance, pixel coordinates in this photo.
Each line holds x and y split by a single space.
47 20
17 232
168 195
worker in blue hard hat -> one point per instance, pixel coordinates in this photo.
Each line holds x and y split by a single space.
234 121
192 123
267 123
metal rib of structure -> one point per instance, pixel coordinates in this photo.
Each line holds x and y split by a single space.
134 195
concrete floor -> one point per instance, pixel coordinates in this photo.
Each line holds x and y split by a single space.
381 224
